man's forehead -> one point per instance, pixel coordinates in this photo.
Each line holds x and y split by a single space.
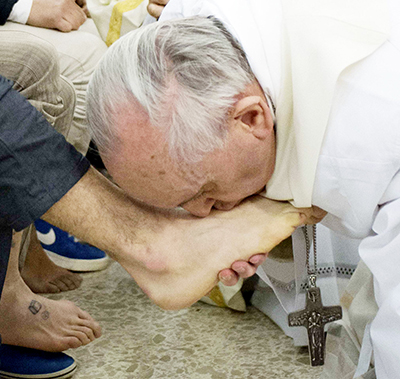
138 139
143 158
155 182
131 119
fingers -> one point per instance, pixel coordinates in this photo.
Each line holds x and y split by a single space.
258 259
63 15
244 269
86 11
241 269
72 18
311 215
228 277
155 7
83 5
161 3
317 215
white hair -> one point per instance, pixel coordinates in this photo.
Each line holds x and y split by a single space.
185 74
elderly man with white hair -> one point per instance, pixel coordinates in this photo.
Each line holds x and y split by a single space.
222 98
44 176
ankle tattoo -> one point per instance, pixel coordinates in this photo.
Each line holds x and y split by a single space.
35 307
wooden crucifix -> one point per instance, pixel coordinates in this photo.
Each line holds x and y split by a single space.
314 317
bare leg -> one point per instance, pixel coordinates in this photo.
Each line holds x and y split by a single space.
198 249
33 321
175 258
42 275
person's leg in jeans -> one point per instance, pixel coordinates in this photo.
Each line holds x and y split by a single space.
78 53
57 104
33 66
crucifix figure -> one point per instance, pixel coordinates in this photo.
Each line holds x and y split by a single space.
314 317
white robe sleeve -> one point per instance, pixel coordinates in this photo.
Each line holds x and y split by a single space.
20 12
381 253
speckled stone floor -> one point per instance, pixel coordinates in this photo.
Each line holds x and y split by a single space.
142 341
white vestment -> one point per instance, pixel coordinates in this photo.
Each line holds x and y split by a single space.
357 170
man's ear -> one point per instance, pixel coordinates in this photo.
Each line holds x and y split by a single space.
253 114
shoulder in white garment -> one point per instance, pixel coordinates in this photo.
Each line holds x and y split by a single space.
361 149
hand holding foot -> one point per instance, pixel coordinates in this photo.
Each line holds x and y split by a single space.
245 269
181 261
241 269
175 258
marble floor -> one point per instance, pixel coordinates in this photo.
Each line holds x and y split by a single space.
142 341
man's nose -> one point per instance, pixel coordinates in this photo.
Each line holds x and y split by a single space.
199 207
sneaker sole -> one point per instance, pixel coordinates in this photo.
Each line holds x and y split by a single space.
78 264
63 374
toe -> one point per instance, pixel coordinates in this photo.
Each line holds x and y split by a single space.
76 279
80 333
85 315
60 284
96 328
67 280
243 269
80 336
89 332
257 259
50 287
65 343
87 321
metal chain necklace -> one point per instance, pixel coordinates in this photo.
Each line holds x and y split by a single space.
311 273
314 316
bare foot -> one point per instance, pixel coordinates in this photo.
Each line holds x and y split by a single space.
32 321
180 263
174 258
42 275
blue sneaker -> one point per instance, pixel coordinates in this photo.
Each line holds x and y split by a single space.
67 251
22 363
